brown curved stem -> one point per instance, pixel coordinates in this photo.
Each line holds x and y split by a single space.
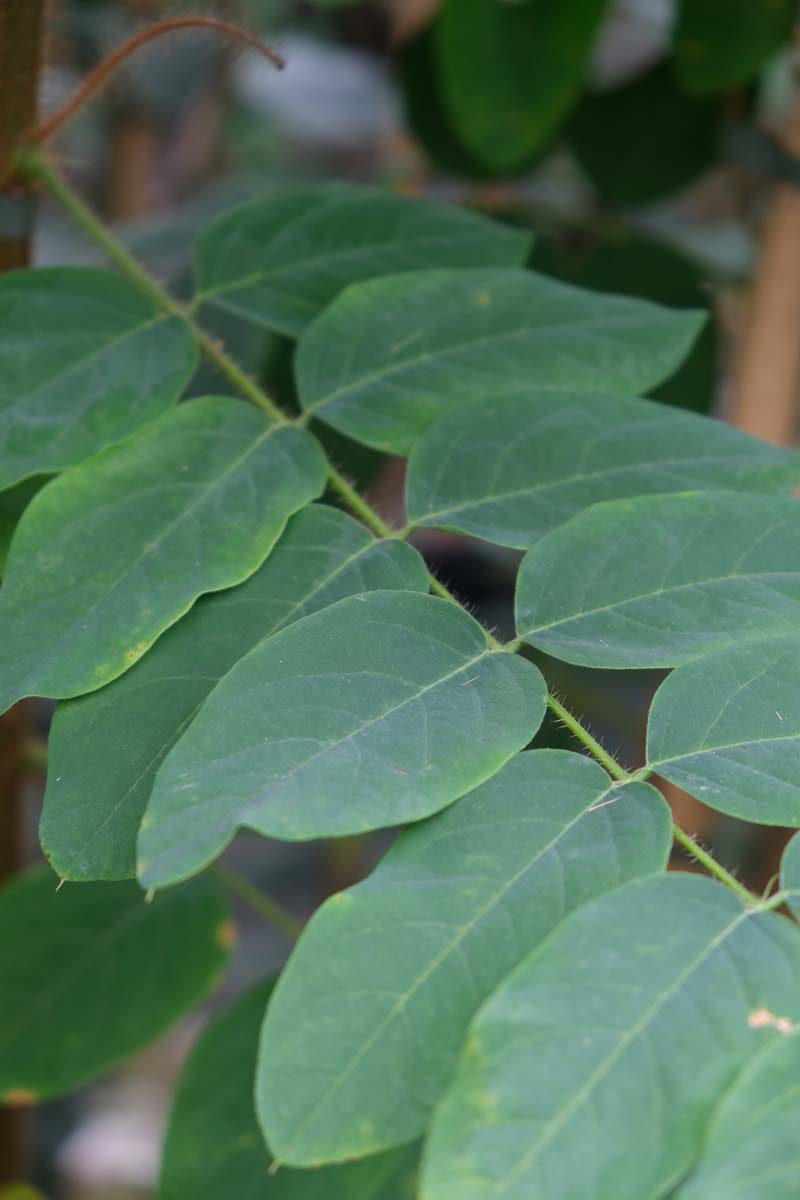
104 70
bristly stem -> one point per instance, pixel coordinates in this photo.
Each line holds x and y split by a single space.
584 736
616 771
259 901
35 165
713 867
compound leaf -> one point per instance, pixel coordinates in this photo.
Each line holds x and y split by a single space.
214 1146
386 977
110 554
752 1151
657 580
381 709
91 973
509 470
85 360
420 345
622 1031
726 728
281 260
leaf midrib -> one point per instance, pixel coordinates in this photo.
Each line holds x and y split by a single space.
299 265
454 348
167 744
403 999
557 1122
695 583
658 463
31 676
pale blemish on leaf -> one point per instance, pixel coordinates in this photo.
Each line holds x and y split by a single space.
762 1018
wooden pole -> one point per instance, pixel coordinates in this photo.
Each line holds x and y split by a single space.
769 365
22 30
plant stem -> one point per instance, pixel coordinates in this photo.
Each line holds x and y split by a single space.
619 773
358 506
713 867
35 165
259 901
592 745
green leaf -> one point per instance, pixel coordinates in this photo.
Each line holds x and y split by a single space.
790 873
381 709
726 729
421 345
510 73
509 470
13 502
100 778
721 44
387 976
426 119
91 973
85 360
594 1069
669 138
281 260
657 580
110 554
634 264
752 1151
214 1147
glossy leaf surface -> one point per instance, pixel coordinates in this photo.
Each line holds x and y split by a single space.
669 137
510 72
421 345
100 778
214 1146
654 581
92 972
381 709
726 729
387 975
509 470
281 260
112 553
595 1068
85 360
721 44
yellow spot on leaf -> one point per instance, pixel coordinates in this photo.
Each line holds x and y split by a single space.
226 934
20 1097
136 651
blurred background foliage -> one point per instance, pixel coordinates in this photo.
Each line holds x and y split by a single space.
637 138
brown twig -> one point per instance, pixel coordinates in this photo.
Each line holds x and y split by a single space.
104 70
